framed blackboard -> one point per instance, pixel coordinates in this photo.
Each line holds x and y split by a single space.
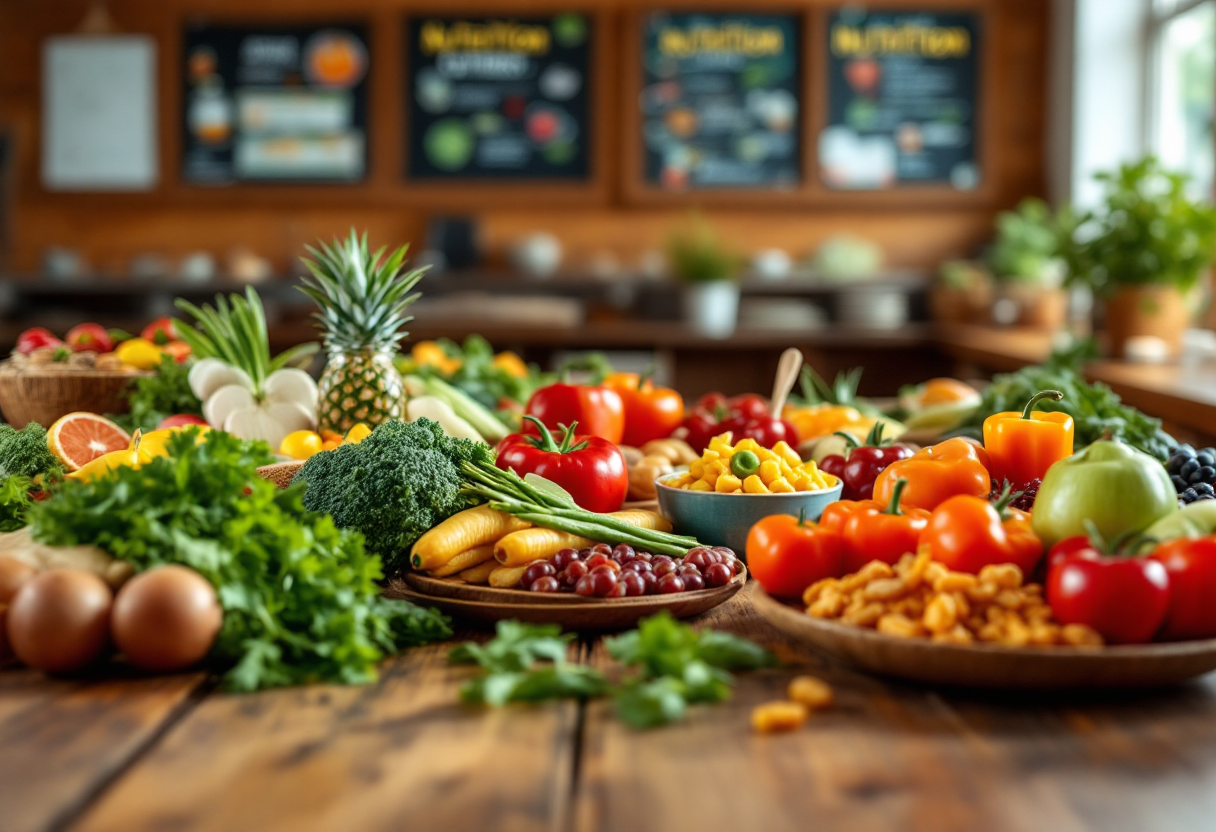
902 100
275 104
720 101
505 98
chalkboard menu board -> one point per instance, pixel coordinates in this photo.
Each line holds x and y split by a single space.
901 100
269 103
499 98
720 100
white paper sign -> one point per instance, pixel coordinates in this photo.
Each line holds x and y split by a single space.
99 113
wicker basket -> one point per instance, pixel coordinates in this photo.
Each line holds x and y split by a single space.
281 473
40 395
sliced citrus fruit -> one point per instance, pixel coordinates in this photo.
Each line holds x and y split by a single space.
79 438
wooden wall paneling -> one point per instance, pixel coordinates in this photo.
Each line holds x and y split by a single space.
915 229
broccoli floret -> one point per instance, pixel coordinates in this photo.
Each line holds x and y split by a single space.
393 486
24 453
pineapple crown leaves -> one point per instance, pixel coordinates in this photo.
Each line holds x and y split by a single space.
362 295
234 331
842 391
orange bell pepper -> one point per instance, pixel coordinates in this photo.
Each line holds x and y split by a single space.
966 533
937 473
1022 446
650 412
871 531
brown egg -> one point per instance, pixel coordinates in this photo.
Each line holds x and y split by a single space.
13 573
59 620
166 618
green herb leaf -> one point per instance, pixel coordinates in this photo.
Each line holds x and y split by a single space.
651 704
300 597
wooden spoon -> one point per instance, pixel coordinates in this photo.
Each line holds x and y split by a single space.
787 373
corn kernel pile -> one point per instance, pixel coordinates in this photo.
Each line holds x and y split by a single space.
781 470
918 598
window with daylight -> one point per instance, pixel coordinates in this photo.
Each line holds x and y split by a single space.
1182 88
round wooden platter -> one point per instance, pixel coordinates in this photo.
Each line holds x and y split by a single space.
487 605
990 666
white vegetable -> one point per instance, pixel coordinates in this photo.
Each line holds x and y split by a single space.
254 423
291 385
225 401
429 407
215 375
292 415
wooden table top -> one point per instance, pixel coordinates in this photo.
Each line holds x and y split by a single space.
171 753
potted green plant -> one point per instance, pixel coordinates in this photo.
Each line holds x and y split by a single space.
962 292
1152 244
1028 261
711 270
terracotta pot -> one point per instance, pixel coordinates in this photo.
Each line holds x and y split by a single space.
1038 308
1158 311
959 306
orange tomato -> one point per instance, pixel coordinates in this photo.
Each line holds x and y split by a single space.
786 554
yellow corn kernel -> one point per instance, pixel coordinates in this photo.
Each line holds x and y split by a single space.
721 444
780 486
748 444
716 468
682 481
803 484
710 456
783 450
769 471
728 484
696 469
765 455
754 485
700 485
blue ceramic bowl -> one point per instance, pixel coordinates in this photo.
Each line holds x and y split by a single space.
725 519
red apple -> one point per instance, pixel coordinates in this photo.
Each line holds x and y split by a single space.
180 420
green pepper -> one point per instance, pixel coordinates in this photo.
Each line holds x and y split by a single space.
744 463
1120 489
1194 521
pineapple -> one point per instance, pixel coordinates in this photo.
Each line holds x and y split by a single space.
362 300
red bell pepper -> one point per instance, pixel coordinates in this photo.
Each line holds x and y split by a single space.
89 338
967 533
35 339
598 409
871 532
861 466
650 412
1191 564
160 332
1125 598
591 469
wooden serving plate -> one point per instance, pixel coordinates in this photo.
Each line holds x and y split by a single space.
487 605
989 666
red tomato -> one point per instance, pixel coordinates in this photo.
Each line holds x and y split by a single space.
180 420
786 555
750 405
180 351
89 338
160 332
1126 599
967 533
1191 565
36 338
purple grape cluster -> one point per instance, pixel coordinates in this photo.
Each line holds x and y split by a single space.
605 571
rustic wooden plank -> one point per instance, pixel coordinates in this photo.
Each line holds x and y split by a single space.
402 753
903 757
63 740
